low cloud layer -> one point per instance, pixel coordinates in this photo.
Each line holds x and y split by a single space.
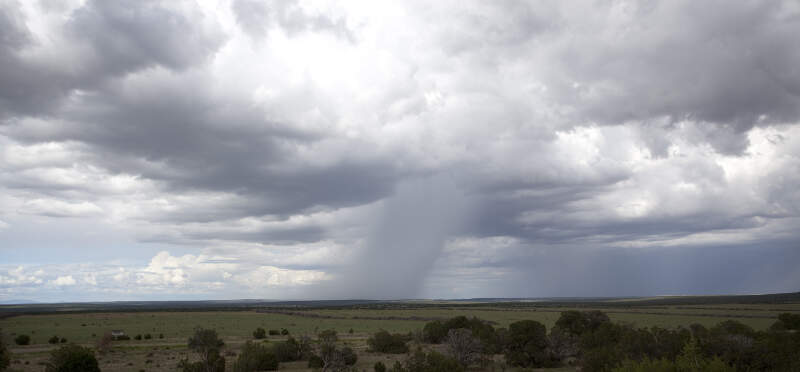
291 149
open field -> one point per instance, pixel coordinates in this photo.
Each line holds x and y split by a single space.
354 323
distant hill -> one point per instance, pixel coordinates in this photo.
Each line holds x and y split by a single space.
16 307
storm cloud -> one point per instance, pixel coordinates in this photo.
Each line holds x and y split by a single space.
292 149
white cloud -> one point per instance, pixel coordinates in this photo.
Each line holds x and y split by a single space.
64 281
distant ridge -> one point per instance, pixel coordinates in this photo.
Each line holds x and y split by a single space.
252 304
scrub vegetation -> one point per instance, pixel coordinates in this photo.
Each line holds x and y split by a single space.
640 335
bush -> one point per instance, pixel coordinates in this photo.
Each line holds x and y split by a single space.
207 343
284 332
259 333
315 362
432 362
527 344
255 357
148 336
274 332
63 340
213 363
22 340
72 358
434 332
383 342
53 340
5 355
349 356
138 337
379 367
286 351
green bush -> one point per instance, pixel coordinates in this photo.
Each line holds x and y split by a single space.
274 332
259 333
207 343
284 332
148 336
379 367
5 355
53 340
22 340
419 361
349 356
137 337
213 362
255 357
291 349
72 358
384 342
315 362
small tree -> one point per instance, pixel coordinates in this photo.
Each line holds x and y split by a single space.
255 357
527 344
463 347
22 340
259 333
72 358
207 343
383 342
5 355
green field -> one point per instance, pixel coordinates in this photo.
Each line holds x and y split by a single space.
236 327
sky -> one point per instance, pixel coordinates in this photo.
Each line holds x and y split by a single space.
229 149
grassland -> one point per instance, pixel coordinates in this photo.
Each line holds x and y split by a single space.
353 322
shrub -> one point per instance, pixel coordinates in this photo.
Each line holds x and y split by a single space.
379 367
259 333
207 343
284 332
432 362
315 362
274 332
53 340
5 355
286 351
72 358
63 340
148 336
22 340
349 356
255 357
213 363
383 342
463 346
160 335
527 344
137 337
434 332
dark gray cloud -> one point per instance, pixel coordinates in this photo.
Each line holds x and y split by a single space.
609 140
727 64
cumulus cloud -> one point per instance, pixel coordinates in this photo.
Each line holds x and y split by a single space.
290 144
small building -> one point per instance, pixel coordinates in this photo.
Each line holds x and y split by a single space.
117 333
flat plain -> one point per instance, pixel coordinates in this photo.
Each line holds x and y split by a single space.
169 330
